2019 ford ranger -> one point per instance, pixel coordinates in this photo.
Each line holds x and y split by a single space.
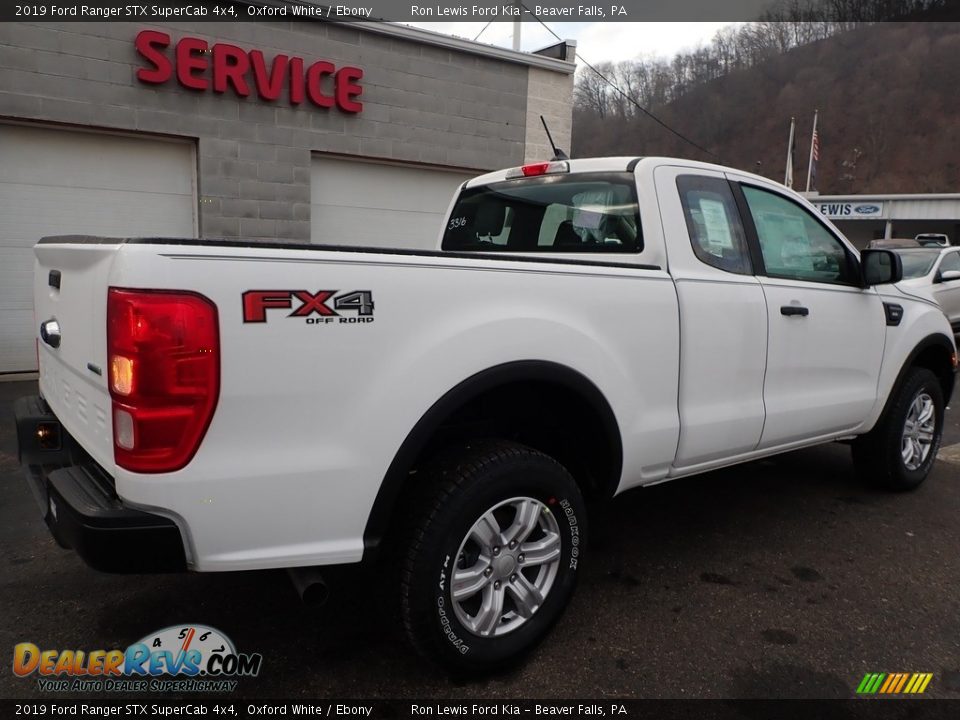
585 327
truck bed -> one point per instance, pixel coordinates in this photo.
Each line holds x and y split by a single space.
299 394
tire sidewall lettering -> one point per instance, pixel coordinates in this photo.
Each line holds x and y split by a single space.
574 527
446 619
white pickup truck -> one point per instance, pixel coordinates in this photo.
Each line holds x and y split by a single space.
585 327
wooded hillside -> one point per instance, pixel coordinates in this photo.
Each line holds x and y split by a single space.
889 101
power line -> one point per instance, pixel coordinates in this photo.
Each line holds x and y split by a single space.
623 94
483 31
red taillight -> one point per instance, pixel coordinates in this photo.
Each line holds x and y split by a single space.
163 360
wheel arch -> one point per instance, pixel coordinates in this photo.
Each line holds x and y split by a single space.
935 352
501 390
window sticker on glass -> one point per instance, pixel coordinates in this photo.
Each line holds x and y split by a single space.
717 225
589 212
589 207
796 230
587 218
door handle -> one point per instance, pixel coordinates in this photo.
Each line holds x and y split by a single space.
790 310
50 333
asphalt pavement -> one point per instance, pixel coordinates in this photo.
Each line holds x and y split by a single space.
781 578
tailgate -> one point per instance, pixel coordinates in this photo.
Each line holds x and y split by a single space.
73 376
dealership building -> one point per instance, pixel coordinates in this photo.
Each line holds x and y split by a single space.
306 131
863 218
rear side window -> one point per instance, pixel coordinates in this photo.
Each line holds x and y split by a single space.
582 213
713 223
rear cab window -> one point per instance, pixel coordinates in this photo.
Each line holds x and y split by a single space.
579 213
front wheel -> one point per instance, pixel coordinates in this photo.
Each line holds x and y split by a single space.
899 452
492 556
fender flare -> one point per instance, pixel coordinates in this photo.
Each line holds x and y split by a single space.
934 340
378 521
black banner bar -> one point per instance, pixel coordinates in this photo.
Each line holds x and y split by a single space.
892 709
475 11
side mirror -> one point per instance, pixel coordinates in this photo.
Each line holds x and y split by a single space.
950 276
880 267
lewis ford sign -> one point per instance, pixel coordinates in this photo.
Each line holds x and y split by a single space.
850 211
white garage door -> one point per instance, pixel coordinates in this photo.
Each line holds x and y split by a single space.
59 182
379 205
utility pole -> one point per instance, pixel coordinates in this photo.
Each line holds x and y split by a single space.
516 26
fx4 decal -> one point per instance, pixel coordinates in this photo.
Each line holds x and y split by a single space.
257 302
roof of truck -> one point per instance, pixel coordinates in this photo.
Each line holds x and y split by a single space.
624 163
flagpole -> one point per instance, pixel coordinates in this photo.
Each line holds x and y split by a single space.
788 175
812 136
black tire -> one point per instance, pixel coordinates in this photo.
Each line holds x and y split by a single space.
877 455
456 491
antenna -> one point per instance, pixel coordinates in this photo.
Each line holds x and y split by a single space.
558 154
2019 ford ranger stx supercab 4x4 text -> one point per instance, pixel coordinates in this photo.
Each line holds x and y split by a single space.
586 327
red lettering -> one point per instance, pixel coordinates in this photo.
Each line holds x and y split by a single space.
348 89
296 81
187 62
229 64
149 43
256 302
313 303
314 83
268 88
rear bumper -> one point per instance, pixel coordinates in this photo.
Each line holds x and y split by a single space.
81 508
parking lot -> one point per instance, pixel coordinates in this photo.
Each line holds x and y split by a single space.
781 578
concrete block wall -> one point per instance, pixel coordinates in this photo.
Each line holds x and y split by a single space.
549 94
422 104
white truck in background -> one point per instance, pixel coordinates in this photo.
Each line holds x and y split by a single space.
585 327
933 239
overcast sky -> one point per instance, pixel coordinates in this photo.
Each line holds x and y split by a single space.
596 42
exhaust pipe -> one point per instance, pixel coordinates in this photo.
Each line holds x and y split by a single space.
309 584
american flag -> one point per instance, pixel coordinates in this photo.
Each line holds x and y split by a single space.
816 154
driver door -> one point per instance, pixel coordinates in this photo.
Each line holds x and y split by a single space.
826 333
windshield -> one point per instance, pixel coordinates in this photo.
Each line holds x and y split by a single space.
917 264
586 212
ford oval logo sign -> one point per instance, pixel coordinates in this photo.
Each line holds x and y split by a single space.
866 209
